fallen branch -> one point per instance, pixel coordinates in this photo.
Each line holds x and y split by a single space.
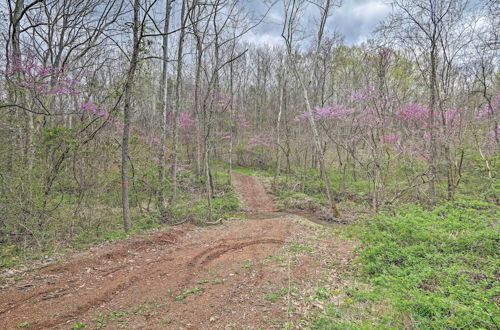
180 223
214 223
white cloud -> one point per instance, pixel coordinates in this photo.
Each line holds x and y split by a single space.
371 10
260 39
357 19
275 17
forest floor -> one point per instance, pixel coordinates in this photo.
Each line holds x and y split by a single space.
265 270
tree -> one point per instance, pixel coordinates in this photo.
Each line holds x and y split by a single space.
127 105
425 25
292 9
162 107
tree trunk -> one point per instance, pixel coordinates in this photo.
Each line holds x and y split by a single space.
316 137
162 105
231 114
126 114
278 124
432 109
15 61
320 157
177 108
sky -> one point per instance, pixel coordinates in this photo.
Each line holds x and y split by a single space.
355 20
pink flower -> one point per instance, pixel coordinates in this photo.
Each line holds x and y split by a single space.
486 111
186 121
412 112
260 140
241 121
223 134
451 114
90 106
391 138
104 114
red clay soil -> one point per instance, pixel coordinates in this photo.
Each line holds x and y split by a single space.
184 278
252 193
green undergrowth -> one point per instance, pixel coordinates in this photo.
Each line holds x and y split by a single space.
104 222
254 171
81 236
419 267
438 269
423 269
225 203
296 200
305 189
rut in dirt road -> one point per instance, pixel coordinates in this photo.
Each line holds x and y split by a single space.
165 269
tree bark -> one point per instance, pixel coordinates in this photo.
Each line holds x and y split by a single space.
432 126
278 122
316 137
127 115
162 105
177 108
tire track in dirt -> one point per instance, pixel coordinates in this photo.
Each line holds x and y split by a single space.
214 253
124 274
75 274
103 298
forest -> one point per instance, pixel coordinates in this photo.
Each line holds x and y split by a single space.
358 179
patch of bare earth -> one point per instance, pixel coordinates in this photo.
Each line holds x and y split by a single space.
257 273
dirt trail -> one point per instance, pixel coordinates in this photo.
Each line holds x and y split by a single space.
184 278
253 194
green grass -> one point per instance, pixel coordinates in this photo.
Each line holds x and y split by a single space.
23 325
423 269
275 296
440 267
299 248
184 294
254 171
117 314
79 325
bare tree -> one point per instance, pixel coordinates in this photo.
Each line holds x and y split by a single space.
292 9
136 40
162 105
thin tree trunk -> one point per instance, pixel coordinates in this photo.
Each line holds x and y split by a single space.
208 184
15 61
163 101
432 109
177 108
320 156
231 114
278 124
316 137
126 113
197 81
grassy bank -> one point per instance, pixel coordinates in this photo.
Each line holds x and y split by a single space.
426 269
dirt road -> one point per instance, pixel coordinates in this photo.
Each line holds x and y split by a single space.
184 278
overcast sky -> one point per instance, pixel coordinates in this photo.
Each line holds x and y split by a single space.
355 20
